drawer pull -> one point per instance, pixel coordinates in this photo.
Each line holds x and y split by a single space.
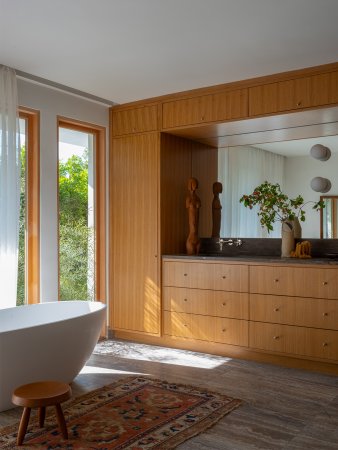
224 330
276 338
224 277
185 274
185 299
325 314
325 283
185 325
276 280
299 103
325 344
276 309
224 304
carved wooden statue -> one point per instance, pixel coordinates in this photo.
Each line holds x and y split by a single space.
193 204
217 189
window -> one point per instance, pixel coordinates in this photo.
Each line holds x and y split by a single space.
28 288
81 200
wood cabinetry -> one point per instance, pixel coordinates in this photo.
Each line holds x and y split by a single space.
134 237
134 120
228 105
284 310
294 310
294 94
206 301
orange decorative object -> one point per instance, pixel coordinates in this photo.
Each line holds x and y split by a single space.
302 250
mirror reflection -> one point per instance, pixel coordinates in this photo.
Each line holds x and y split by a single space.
329 217
289 163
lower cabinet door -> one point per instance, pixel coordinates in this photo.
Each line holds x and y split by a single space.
298 341
206 328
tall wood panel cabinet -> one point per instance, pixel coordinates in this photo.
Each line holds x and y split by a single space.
134 280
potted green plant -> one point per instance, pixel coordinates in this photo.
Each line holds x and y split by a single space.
275 206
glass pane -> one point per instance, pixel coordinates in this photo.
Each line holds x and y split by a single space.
21 286
76 215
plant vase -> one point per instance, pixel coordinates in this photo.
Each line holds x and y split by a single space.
288 239
297 229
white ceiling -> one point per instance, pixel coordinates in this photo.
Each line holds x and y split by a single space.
125 50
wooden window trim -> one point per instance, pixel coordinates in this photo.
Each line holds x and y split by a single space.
100 199
32 251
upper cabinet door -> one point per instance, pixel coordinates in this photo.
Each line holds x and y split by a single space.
136 120
187 111
291 95
225 105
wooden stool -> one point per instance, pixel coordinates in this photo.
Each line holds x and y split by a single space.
40 395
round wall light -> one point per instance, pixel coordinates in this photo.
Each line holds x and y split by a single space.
320 152
319 184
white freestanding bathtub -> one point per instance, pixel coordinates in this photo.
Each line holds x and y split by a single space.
47 341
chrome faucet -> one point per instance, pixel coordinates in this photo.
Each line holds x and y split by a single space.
237 242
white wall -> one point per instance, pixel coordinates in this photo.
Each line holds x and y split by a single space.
299 172
52 103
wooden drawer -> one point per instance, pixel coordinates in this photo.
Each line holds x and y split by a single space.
200 275
307 312
135 120
206 302
300 341
205 328
294 281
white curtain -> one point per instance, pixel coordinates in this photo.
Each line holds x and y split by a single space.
240 170
9 186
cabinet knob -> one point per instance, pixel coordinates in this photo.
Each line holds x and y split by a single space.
185 274
276 309
223 304
155 256
276 280
202 117
224 277
224 330
299 103
325 314
325 344
276 338
185 325
325 283
185 299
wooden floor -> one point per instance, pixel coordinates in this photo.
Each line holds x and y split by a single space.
283 408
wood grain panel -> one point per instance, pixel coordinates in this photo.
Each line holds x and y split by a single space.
205 169
307 312
294 281
263 99
197 275
187 111
230 105
310 342
294 94
205 328
134 233
206 302
175 172
136 120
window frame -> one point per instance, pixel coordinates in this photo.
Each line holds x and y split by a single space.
99 135
32 235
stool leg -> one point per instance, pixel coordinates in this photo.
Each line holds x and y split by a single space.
42 415
23 425
61 421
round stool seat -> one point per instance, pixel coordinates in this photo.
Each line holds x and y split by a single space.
40 395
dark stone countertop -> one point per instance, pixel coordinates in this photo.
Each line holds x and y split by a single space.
255 259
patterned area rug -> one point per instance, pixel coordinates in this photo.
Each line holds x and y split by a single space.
134 413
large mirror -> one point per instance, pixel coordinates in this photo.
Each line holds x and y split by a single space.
242 168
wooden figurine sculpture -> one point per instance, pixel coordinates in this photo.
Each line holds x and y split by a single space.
193 204
217 189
